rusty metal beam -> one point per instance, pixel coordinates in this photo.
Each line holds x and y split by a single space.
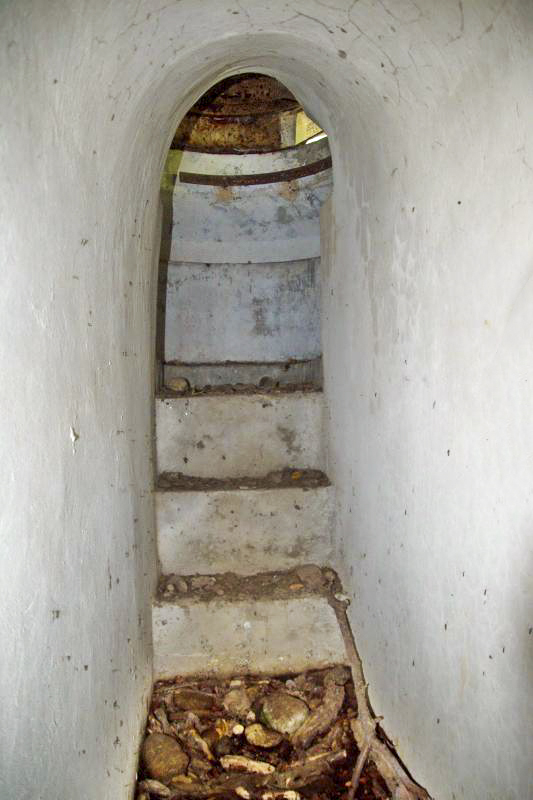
259 178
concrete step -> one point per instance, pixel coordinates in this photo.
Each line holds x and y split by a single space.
245 525
226 434
272 629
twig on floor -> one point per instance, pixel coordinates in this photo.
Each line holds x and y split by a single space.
401 786
359 766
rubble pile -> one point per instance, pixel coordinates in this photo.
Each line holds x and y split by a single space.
255 738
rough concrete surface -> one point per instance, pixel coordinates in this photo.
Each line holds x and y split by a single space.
247 530
243 312
277 636
233 435
237 224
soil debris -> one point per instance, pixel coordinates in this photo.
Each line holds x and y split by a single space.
180 387
288 478
256 738
272 585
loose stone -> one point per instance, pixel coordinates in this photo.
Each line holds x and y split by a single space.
163 757
312 576
283 713
259 736
148 787
244 764
237 702
178 384
202 581
193 699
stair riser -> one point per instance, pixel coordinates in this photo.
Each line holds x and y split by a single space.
276 636
244 531
234 435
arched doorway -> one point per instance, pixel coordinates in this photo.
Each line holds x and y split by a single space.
240 416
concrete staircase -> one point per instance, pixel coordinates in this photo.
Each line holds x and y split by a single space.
242 499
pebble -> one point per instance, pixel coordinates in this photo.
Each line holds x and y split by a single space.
295 587
148 787
283 713
311 575
342 598
244 764
163 757
201 581
178 384
237 702
191 699
289 794
259 736
182 585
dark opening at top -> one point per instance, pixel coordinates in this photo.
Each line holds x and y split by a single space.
245 114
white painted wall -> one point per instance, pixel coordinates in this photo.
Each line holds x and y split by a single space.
427 350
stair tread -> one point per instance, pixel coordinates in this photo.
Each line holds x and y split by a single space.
293 584
254 636
289 478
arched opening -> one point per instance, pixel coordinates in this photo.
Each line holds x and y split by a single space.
242 189
240 418
245 509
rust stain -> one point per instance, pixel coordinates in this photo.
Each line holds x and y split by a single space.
224 194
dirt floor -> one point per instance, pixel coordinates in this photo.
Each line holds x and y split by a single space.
256 738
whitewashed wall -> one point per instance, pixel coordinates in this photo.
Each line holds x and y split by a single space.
427 348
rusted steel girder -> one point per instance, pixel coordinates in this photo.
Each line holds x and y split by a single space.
243 114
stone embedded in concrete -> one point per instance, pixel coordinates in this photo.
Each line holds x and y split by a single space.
249 636
244 531
233 435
